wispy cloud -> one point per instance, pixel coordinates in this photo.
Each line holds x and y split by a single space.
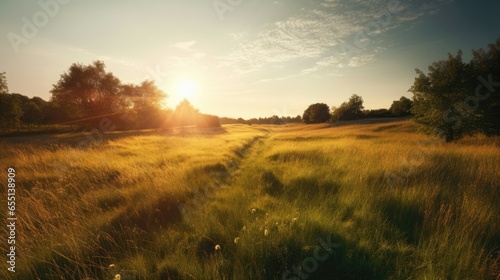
319 34
361 60
184 45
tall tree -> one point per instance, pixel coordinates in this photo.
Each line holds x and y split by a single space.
455 98
87 91
436 93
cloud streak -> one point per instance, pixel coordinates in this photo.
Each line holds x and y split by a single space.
327 35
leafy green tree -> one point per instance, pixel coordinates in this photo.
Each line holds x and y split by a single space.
91 94
24 103
87 91
316 113
145 101
351 110
401 107
486 68
10 111
437 97
41 104
455 98
33 114
53 113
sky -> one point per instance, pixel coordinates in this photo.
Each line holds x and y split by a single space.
243 58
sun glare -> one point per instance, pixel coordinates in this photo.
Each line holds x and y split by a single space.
186 89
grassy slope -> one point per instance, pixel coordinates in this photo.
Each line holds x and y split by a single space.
395 204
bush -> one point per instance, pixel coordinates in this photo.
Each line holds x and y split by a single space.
316 113
401 107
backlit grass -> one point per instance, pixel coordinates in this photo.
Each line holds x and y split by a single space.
389 202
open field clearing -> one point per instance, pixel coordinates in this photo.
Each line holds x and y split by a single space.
366 201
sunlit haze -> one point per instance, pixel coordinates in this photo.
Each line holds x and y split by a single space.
249 58
185 89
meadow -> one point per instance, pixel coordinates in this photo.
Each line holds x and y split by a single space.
362 201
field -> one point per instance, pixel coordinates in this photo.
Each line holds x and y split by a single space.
364 201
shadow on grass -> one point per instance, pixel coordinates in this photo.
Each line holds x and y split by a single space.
330 257
406 216
310 188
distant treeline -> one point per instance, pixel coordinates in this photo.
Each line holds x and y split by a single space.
89 97
452 100
270 120
320 112
354 110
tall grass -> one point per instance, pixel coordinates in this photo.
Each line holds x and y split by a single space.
260 203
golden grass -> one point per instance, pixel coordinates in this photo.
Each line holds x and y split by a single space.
397 204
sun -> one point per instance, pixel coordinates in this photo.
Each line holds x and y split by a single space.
186 89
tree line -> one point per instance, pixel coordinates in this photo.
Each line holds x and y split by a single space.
267 120
90 97
320 112
454 99
353 109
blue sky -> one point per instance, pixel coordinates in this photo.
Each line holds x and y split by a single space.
243 58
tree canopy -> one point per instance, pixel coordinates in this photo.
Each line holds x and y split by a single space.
401 107
316 113
350 110
91 97
90 93
456 98
87 90
10 111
